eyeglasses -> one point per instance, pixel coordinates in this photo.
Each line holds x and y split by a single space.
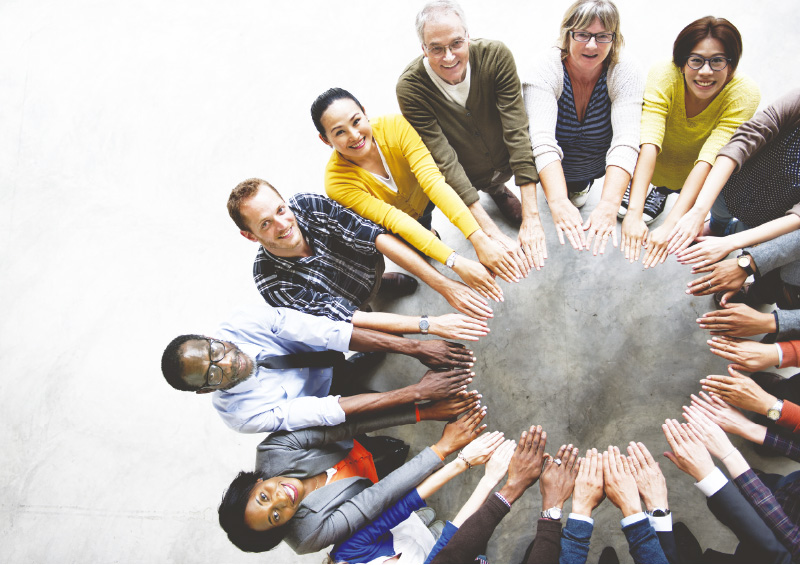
216 352
585 36
439 50
696 62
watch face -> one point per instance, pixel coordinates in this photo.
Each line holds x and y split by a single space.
773 414
424 324
744 262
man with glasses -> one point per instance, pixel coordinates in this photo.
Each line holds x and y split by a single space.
464 98
272 369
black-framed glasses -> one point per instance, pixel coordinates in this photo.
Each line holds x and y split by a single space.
696 62
216 352
439 50
586 37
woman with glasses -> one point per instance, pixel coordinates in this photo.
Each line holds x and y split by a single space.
381 170
584 104
318 486
692 106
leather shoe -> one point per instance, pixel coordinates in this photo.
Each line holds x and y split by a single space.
397 285
509 205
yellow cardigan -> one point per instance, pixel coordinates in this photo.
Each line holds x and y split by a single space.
681 141
418 182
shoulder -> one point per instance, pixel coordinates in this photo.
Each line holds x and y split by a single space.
664 72
625 69
482 47
413 75
306 201
742 87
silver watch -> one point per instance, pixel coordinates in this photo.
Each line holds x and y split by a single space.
553 513
774 413
451 260
424 324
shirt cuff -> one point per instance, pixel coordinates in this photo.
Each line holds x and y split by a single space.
661 523
712 483
581 517
632 519
780 355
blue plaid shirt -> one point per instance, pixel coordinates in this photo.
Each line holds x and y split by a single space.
338 277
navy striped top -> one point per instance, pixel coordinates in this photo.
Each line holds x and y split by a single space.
586 143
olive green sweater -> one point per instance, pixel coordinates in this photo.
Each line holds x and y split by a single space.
490 134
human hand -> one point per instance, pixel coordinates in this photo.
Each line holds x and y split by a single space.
588 492
634 236
449 408
728 418
513 250
656 246
495 257
712 436
460 432
602 223
479 450
437 384
458 326
725 275
649 479
558 477
745 354
497 465
526 463
686 230
567 220
478 278
708 250
531 240
738 390
467 301
688 453
440 354
737 320
620 485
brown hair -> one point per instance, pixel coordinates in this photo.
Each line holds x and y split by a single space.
718 28
244 191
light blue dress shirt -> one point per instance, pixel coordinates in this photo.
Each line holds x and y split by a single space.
281 399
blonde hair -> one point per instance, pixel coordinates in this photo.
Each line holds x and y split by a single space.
581 15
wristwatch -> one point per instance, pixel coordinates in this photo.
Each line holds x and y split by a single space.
451 260
553 513
424 324
745 261
658 512
774 413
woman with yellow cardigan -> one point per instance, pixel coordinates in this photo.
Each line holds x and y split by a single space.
383 171
692 106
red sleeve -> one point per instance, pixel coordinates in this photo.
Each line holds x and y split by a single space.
791 351
790 416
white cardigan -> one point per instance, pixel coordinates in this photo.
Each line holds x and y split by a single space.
542 89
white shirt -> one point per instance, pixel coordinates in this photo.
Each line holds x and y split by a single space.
457 93
281 399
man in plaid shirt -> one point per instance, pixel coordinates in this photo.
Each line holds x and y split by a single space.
323 259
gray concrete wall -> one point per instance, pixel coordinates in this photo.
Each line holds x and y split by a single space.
124 125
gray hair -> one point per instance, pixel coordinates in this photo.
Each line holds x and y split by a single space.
581 15
437 8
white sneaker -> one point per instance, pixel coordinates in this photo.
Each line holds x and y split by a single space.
578 199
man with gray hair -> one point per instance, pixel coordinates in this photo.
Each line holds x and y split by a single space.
464 98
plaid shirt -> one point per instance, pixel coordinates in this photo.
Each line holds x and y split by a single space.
762 499
338 277
783 442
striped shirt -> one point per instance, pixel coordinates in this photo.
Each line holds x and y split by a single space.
586 143
338 277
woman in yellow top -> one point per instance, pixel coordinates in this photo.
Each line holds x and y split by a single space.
692 106
383 171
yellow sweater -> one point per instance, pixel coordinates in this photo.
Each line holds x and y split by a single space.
418 182
681 141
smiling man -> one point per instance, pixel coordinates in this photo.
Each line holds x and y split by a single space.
321 258
271 369
464 98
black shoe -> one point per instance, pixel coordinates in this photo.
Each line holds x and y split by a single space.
623 206
608 555
397 284
654 204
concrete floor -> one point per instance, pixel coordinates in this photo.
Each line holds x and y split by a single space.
124 127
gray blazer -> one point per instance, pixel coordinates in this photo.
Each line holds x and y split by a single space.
336 511
782 253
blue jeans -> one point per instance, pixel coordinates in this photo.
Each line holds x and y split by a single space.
722 222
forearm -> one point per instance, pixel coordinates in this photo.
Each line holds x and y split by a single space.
553 183
614 185
484 221
735 463
530 206
377 402
714 183
386 322
405 257
367 340
764 232
475 500
642 175
752 432
433 483
471 539
688 194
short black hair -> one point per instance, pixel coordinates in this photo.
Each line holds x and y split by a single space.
231 516
172 363
324 101
718 28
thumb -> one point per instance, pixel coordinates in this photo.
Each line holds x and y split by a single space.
726 296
